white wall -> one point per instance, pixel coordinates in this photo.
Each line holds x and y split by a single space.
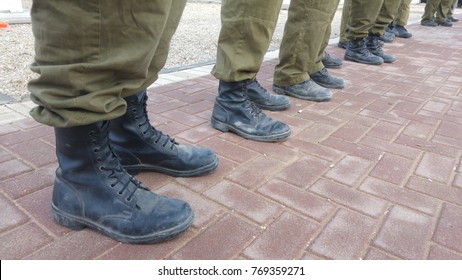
14 6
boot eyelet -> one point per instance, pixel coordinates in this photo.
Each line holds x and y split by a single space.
95 150
101 168
128 199
119 193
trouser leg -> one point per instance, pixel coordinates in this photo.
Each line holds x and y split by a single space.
344 21
430 9
102 52
363 16
402 16
451 8
325 36
443 10
388 10
299 52
246 32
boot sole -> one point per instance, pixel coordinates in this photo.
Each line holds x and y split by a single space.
362 61
273 108
330 86
79 223
263 138
135 169
288 93
333 66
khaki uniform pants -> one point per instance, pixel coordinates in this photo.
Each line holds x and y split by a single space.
446 8
306 35
361 17
402 16
386 15
246 32
451 10
90 54
434 6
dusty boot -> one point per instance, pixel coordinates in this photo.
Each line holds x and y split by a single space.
263 98
233 111
401 32
93 190
331 62
374 48
306 90
325 79
388 36
143 148
358 52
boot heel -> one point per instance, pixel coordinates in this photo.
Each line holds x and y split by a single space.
67 222
219 126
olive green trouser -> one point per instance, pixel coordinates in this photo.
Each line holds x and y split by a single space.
344 21
361 17
386 15
402 16
451 10
446 8
318 63
432 7
306 34
90 54
246 32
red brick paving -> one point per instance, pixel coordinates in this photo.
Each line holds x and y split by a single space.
374 174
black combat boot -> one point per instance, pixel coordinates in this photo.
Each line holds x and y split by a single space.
325 79
233 111
331 62
373 46
143 148
401 32
388 36
358 52
93 190
263 98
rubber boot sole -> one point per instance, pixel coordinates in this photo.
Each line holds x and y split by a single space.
280 107
309 98
203 170
79 223
362 61
262 138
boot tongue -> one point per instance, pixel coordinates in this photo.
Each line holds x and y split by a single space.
140 97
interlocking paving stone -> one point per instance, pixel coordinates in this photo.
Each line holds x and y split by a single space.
376 173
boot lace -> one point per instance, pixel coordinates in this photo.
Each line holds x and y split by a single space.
252 108
256 83
249 105
110 162
148 130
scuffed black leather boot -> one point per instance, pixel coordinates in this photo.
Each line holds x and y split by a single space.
373 46
263 98
143 148
358 52
233 111
93 190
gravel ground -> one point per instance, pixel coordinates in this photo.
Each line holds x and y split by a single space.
193 43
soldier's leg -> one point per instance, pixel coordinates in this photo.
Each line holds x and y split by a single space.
247 28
